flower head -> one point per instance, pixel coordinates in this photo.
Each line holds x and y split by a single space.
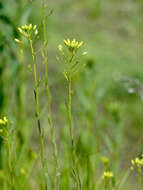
3 121
107 175
17 40
73 45
27 31
84 53
137 162
70 58
27 27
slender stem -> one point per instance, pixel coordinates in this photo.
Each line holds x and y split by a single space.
69 111
74 156
9 162
107 185
50 121
37 112
139 173
44 21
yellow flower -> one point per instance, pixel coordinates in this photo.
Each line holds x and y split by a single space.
20 30
3 121
137 162
34 27
17 40
27 27
84 53
60 47
73 45
36 32
107 175
27 30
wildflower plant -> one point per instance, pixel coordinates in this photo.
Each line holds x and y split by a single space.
108 176
137 164
30 32
72 66
105 162
71 57
19 164
5 133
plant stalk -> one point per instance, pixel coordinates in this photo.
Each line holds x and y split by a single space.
74 156
9 161
50 121
37 112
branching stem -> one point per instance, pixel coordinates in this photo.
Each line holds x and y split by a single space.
74 156
37 112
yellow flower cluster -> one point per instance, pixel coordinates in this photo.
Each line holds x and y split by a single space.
73 45
25 28
26 31
70 58
107 175
3 121
138 162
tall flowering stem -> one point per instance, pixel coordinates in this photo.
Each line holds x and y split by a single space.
107 177
137 164
71 67
50 120
30 33
5 134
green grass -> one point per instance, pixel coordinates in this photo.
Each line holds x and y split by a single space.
104 118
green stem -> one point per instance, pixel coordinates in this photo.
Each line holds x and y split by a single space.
9 162
139 178
37 112
74 156
69 111
107 185
44 21
50 121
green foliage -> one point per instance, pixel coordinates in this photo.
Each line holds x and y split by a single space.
89 126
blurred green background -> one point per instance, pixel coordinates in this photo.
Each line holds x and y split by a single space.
108 93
